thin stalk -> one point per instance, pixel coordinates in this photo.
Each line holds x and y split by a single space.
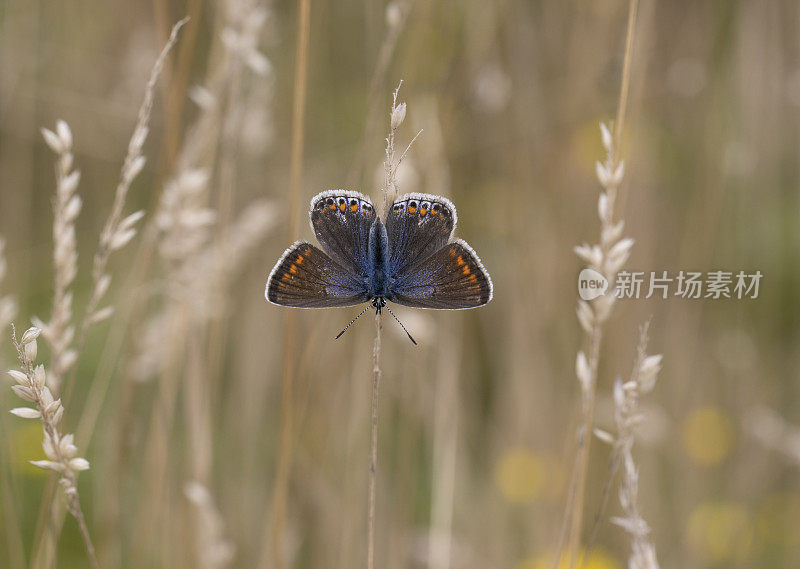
584 442
373 456
395 26
61 462
112 227
276 557
588 406
622 105
10 495
74 507
175 96
615 459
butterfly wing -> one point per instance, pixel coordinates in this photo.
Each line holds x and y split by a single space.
305 277
418 225
451 278
341 220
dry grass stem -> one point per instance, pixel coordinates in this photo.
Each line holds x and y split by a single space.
391 163
444 459
397 115
189 255
395 16
373 454
606 257
198 273
214 550
61 452
59 332
118 231
241 37
183 218
627 416
274 553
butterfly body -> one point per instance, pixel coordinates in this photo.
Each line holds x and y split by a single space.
379 257
408 258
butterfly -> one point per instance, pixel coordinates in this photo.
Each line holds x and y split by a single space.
408 258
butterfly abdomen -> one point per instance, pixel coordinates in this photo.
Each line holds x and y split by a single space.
378 251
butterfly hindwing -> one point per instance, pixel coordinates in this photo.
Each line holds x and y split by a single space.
341 220
306 277
451 278
418 225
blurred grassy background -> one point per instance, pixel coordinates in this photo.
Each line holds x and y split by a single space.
477 423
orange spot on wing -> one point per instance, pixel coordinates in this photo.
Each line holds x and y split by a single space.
460 260
465 270
354 207
411 209
473 279
331 206
293 269
286 276
423 211
452 252
299 260
342 207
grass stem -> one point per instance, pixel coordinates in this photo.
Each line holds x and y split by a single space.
281 489
373 456
578 490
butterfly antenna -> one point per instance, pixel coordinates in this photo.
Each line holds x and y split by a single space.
339 335
401 325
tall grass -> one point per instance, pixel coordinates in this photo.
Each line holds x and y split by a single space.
67 205
373 453
397 114
626 417
277 537
116 233
60 448
607 257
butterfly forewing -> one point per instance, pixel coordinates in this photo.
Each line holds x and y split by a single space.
451 278
341 220
418 225
305 277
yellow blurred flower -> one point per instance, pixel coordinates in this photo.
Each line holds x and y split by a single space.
598 559
708 436
26 445
520 476
720 531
